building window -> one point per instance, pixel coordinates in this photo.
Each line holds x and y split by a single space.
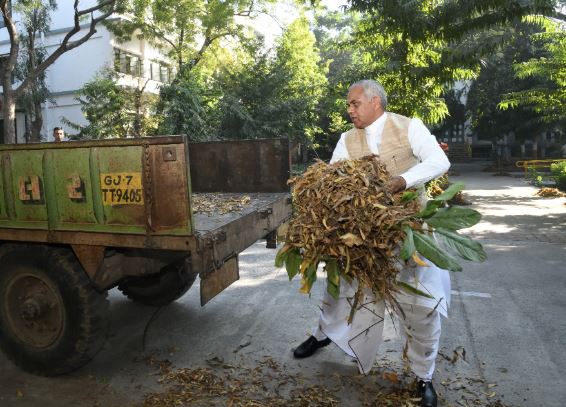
164 74
159 71
128 63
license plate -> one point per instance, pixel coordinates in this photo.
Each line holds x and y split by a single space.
121 188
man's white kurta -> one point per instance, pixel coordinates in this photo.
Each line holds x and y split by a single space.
362 337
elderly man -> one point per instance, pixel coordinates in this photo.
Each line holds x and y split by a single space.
413 157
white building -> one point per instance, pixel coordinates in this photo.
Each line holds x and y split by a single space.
137 61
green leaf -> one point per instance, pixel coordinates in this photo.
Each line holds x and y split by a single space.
311 273
430 208
293 263
413 290
454 218
450 191
427 247
282 255
408 245
333 290
462 245
409 196
332 271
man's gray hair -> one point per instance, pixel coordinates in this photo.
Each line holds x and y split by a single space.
371 89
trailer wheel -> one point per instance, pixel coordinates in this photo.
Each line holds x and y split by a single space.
162 288
52 320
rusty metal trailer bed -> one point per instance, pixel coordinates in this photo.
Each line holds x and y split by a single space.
78 218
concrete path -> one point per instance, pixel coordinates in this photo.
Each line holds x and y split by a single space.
509 312
503 344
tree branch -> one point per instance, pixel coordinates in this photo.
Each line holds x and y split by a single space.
10 62
99 6
248 12
161 35
208 40
66 45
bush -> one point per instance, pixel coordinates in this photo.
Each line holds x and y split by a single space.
558 170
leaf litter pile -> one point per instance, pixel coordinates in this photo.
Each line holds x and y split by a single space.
345 217
550 193
211 203
268 384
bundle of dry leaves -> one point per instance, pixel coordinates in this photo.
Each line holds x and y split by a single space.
344 211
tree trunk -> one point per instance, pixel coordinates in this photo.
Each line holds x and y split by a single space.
27 128
36 123
138 112
9 113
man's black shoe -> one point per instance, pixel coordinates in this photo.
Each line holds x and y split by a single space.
426 392
310 346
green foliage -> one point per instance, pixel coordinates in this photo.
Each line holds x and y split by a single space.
450 192
548 71
332 278
558 171
185 29
114 111
184 109
426 246
418 49
460 245
490 116
255 94
409 196
408 248
440 200
454 218
298 57
534 176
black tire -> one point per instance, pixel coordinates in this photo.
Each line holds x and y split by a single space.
52 320
162 288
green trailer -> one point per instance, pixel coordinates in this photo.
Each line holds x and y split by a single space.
79 218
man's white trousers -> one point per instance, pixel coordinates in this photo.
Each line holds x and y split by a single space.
420 326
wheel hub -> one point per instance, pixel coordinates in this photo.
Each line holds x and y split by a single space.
35 309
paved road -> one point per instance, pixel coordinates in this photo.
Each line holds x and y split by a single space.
502 344
509 311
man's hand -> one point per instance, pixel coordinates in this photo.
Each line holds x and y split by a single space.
396 184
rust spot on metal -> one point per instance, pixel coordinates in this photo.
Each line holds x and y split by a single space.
169 187
90 257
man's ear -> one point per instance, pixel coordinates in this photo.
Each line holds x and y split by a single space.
376 100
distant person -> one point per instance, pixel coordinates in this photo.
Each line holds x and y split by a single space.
58 134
